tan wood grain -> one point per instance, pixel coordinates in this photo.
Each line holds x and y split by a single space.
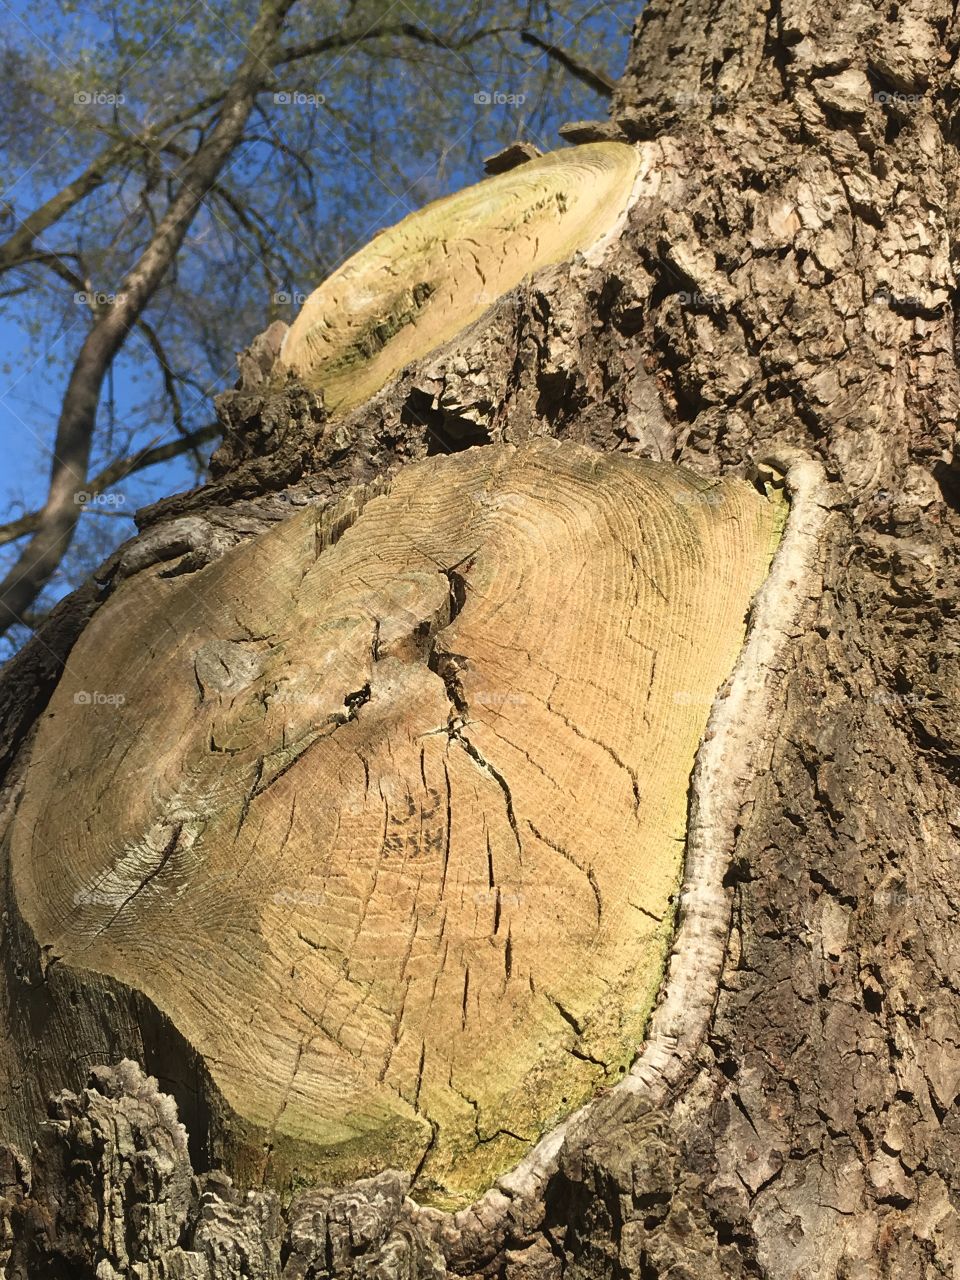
417 284
390 824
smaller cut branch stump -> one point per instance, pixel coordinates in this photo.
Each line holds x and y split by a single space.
419 283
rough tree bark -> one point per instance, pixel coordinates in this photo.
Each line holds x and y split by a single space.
784 285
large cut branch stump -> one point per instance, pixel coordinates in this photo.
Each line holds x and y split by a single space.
382 814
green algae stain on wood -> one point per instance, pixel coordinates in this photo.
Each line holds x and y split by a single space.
391 831
417 284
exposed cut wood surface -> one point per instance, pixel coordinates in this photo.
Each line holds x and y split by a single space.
385 809
417 284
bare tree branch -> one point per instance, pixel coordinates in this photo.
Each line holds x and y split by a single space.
118 470
18 246
595 80
169 376
409 30
55 262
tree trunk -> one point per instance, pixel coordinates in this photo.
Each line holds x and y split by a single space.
780 295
